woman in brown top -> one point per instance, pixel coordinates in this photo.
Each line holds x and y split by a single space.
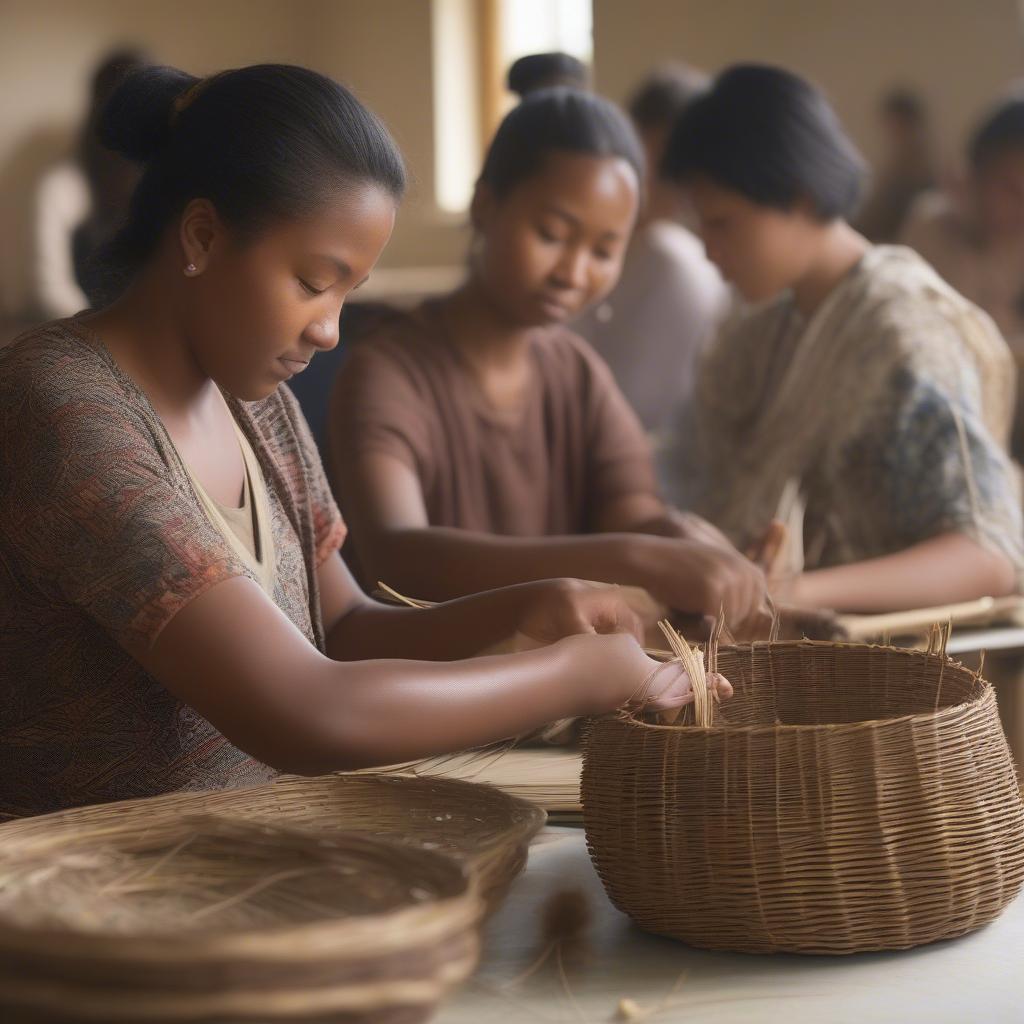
480 434
174 612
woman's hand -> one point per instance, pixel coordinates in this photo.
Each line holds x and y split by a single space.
771 552
704 579
616 673
559 608
696 528
669 687
274 695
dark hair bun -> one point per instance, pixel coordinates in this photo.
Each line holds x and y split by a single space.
137 118
544 71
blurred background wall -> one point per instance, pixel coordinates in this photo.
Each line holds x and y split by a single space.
959 54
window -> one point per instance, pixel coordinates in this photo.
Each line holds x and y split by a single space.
474 42
539 26
457 101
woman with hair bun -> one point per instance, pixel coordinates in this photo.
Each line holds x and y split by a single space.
478 432
175 613
859 398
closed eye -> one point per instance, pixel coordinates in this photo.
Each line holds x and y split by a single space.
309 288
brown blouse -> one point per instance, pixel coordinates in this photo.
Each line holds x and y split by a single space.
550 469
103 539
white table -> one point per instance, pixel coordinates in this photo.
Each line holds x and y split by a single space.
995 638
978 979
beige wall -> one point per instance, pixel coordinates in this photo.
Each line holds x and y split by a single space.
47 51
959 53
382 49
48 48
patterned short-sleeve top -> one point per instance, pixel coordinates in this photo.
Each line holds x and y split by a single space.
103 539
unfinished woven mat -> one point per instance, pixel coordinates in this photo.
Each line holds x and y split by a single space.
205 919
488 830
846 798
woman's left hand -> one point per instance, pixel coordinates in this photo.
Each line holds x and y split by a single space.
771 552
559 608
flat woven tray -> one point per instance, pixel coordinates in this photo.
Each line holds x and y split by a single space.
488 830
194 919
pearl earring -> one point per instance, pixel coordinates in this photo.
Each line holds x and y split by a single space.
191 269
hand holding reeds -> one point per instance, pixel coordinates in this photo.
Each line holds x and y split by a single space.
697 578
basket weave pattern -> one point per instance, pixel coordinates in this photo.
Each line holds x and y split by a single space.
481 826
208 919
847 798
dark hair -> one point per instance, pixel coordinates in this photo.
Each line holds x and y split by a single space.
662 96
771 136
1000 132
554 120
260 143
107 76
905 103
112 70
545 70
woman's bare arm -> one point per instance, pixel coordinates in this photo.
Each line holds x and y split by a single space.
397 544
234 657
942 570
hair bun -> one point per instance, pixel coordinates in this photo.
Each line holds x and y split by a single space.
137 118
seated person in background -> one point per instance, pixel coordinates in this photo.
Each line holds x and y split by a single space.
862 400
546 71
81 203
477 442
670 298
974 237
906 168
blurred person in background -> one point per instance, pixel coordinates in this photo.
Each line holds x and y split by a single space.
481 434
973 234
906 169
859 399
670 299
81 203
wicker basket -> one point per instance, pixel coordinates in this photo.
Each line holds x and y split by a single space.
485 828
202 919
847 798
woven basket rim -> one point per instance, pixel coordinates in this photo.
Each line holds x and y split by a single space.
364 935
980 698
857 645
530 817
527 821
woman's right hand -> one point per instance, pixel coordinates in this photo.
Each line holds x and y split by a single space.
615 672
704 579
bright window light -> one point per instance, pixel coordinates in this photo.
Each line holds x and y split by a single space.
457 117
462 79
540 26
